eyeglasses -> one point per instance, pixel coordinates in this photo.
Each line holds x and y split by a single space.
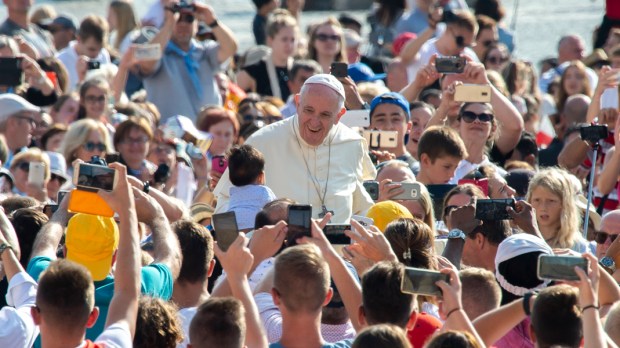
601 237
25 166
90 146
187 18
470 116
136 141
325 37
94 99
497 60
163 149
30 120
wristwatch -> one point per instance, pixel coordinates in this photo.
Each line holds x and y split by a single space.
3 247
456 233
608 262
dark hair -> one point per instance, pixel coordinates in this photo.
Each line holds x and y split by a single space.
413 238
421 105
93 27
495 231
157 324
491 8
346 19
245 165
52 131
261 3
453 339
16 202
197 249
428 93
27 223
381 336
441 141
485 22
527 145
382 299
304 64
556 317
219 322
123 129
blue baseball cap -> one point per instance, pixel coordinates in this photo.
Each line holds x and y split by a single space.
390 98
361 72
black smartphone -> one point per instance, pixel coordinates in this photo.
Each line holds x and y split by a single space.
372 187
593 133
335 233
340 69
11 73
422 281
225 227
559 267
93 177
450 65
299 222
50 209
494 209
93 65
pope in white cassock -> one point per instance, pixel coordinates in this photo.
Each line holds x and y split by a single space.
311 157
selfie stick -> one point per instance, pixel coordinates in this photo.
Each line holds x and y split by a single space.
595 148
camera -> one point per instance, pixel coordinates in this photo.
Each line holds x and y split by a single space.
450 65
184 6
95 175
594 133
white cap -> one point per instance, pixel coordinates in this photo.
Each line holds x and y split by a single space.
327 80
58 165
10 104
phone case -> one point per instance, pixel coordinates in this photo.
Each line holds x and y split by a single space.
381 139
148 52
87 202
356 118
36 173
411 191
422 281
557 267
226 229
219 164
473 93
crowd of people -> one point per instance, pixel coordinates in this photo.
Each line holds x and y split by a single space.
418 136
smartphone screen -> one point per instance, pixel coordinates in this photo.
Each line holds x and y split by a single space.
372 187
494 209
556 267
10 71
335 234
422 281
225 227
340 69
95 177
299 222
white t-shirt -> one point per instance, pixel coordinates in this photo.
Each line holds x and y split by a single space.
424 56
69 57
185 316
114 336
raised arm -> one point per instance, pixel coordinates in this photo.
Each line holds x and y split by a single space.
573 153
461 218
147 67
173 208
423 78
124 305
224 36
47 240
495 324
607 78
120 79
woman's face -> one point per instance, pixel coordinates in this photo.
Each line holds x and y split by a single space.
67 113
476 130
94 146
573 81
327 40
414 207
285 41
20 174
548 207
53 142
134 147
112 19
223 137
496 60
95 102
419 119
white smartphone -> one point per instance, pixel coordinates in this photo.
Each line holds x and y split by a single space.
609 99
356 118
36 173
186 185
363 220
147 52
381 139
473 93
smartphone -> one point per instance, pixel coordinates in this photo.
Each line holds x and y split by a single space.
11 73
560 267
494 209
593 133
381 139
61 196
609 98
411 191
363 220
473 93
356 118
372 187
450 65
299 222
92 177
147 52
36 173
93 65
225 227
422 281
335 234
50 209
340 69
112 157
219 164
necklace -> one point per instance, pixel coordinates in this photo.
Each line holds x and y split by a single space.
315 181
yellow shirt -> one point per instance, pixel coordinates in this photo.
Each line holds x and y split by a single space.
286 173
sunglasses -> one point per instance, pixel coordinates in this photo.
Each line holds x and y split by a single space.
497 60
187 18
601 237
60 179
470 116
325 37
25 166
90 146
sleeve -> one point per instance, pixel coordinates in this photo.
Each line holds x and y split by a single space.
270 316
157 281
37 265
36 97
116 336
211 49
361 200
16 323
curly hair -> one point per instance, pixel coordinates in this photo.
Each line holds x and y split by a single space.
157 324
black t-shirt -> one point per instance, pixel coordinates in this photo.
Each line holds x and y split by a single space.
258 72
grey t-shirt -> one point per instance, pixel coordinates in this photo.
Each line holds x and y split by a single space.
36 37
171 89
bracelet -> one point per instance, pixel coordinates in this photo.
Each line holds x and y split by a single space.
588 307
146 188
213 24
526 302
452 311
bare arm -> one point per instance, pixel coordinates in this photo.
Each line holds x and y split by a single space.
147 67
10 257
120 79
173 208
224 36
49 237
607 78
424 77
245 81
410 50
124 304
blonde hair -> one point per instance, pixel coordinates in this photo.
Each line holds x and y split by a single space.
32 155
332 21
556 180
278 20
126 20
78 133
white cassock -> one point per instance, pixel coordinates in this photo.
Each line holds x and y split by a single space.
341 166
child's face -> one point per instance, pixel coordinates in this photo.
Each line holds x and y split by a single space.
548 207
439 171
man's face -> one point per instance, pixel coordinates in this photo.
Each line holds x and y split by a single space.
318 109
185 28
461 38
441 170
21 6
573 48
299 79
90 47
610 224
390 117
22 125
485 39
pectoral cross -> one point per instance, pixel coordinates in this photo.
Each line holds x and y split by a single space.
324 211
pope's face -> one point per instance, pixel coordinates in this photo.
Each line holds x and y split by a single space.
318 110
